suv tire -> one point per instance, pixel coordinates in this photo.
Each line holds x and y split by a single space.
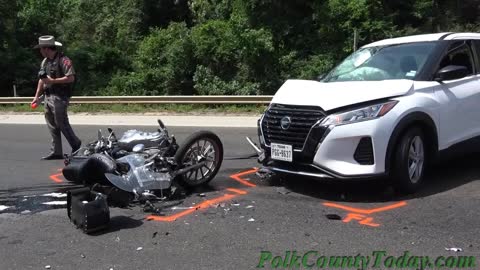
409 161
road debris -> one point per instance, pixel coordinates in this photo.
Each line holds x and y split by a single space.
55 203
283 191
139 248
83 256
202 195
4 207
117 239
333 217
454 249
25 212
47 267
55 195
249 206
251 220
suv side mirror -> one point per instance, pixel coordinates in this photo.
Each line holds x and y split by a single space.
451 73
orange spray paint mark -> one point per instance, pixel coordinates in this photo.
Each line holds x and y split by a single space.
203 205
361 215
238 178
209 203
55 178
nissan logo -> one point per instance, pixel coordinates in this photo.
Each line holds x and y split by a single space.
285 122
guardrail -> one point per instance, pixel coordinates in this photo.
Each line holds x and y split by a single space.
152 100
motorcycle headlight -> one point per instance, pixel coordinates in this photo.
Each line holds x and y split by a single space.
363 114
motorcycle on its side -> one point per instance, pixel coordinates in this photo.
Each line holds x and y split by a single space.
139 163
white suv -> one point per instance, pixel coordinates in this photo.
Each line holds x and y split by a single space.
386 110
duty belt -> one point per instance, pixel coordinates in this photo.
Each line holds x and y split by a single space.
62 92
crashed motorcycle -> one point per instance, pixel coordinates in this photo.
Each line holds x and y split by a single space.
141 162
138 167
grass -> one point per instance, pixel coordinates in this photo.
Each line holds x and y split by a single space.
246 109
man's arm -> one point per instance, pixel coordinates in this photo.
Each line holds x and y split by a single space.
38 92
64 79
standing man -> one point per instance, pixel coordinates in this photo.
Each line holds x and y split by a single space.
56 78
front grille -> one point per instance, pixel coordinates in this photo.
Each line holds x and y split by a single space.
302 119
364 152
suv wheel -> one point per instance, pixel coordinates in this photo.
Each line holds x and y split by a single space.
409 161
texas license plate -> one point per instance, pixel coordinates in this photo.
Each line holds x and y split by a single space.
281 152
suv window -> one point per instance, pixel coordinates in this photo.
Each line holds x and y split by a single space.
459 54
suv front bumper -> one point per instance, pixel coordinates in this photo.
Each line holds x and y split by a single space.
350 151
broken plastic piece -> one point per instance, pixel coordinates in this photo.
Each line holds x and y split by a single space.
333 217
455 249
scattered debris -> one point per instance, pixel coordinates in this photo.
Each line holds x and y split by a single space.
333 217
150 208
222 205
4 207
55 203
25 212
139 248
117 239
235 204
55 195
242 216
307 234
201 195
83 256
167 233
251 220
154 234
282 191
454 249
47 267
250 206
181 208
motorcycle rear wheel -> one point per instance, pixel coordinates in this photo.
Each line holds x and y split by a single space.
201 146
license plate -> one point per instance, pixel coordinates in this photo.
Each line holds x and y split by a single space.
281 152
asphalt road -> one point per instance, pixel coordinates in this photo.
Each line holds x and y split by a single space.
242 225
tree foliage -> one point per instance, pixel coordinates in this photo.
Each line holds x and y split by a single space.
207 47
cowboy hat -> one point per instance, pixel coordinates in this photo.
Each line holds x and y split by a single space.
47 41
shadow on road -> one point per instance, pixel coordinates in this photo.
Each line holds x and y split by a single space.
441 177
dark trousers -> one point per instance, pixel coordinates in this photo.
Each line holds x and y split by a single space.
57 122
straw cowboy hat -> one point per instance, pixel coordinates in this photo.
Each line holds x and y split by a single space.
47 41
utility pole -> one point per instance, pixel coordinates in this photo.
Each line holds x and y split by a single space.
14 89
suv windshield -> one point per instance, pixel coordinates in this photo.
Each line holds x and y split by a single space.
391 62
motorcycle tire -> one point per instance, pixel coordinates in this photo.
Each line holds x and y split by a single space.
198 147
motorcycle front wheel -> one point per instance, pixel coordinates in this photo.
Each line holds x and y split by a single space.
200 147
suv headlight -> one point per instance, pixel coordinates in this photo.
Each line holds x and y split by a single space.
363 114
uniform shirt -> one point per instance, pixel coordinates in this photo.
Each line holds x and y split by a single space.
59 61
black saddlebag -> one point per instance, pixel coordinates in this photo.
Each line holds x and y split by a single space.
88 210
